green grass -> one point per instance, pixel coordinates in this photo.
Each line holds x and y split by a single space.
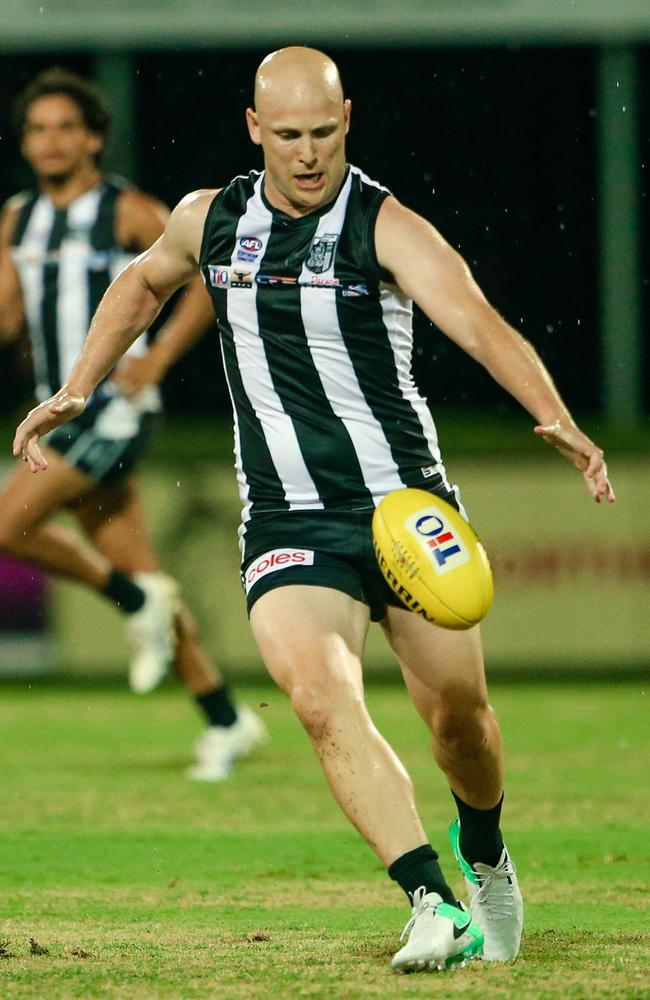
132 882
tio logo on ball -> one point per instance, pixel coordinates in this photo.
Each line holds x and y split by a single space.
438 539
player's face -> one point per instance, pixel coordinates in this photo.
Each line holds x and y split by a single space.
304 149
56 142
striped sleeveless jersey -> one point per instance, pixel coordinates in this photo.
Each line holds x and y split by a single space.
317 346
66 259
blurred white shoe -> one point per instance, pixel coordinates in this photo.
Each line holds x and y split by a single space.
152 632
220 746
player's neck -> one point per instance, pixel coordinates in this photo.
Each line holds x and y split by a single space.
62 191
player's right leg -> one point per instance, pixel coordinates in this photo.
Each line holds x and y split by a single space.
311 639
29 501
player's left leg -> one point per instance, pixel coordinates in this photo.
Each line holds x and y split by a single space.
444 673
113 518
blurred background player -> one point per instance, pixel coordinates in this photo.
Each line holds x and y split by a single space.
61 245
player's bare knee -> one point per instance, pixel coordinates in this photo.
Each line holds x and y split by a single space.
322 710
463 730
11 537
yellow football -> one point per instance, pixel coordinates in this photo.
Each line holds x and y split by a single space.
432 558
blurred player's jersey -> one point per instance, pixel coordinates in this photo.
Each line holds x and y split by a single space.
317 343
66 259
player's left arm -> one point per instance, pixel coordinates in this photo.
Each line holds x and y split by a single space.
437 278
140 220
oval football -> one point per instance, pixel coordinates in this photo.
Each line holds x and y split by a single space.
432 558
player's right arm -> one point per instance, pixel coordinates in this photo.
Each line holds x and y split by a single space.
130 305
12 310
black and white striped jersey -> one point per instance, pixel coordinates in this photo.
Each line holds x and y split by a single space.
66 259
317 346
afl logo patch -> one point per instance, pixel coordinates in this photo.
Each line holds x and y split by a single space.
250 243
249 248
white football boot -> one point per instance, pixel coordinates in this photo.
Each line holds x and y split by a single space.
439 935
220 746
152 632
494 900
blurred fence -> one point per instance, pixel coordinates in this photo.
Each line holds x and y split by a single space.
572 579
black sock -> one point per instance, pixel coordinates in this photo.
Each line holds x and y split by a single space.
480 836
217 707
124 592
420 867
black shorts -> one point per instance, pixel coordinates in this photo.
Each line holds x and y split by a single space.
106 440
319 548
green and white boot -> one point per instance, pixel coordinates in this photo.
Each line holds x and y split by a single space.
494 900
439 936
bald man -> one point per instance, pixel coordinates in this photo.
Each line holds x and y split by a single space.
313 269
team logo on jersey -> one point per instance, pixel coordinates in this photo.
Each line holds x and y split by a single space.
249 248
321 253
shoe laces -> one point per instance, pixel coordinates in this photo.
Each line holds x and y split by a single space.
496 892
420 905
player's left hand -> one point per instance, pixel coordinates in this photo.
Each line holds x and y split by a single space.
587 457
53 412
136 374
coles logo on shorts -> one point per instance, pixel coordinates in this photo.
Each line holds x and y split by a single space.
274 560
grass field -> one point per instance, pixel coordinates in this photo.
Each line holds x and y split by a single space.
121 879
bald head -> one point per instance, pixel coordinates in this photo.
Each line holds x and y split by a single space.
300 120
296 75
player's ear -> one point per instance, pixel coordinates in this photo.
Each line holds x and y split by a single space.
347 112
95 143
253 126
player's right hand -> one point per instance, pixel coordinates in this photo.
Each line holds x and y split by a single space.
56 410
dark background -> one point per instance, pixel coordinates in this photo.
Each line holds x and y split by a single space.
496 147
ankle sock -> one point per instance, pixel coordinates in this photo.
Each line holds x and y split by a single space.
217 707
123 591
420 867
480 836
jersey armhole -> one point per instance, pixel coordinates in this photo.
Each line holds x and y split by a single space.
376 270
206 226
